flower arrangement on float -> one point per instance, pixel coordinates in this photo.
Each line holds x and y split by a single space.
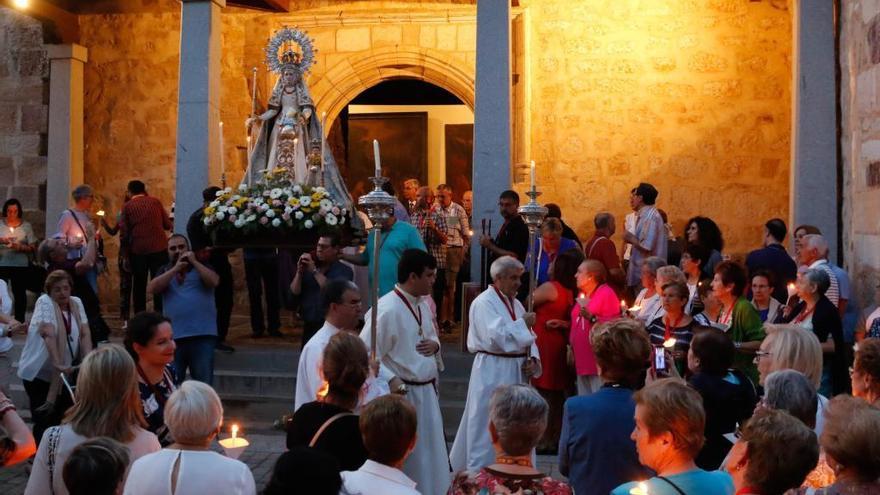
273 206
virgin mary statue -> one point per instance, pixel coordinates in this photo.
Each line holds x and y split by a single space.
291 136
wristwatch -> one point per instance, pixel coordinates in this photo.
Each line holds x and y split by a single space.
401 389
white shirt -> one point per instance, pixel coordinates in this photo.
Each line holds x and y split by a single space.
200 472
650 309
309 378
34 361
6 309
374 479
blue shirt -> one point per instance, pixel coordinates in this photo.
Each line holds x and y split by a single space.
310 297
393 243
189 305
851 313
595 448
690 482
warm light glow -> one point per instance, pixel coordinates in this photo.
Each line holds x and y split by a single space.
641 489
669 343
324 390
100 213
234 430
622 303
792 290
634 309
21 4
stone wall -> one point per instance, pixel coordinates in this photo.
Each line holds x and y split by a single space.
690 95
860 141
23 115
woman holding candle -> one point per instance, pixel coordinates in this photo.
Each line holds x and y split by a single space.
670 421
194 416
673 331
17 245
648 300
149 340
738 317
596 303
553 302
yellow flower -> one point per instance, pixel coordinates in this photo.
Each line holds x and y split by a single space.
293 201
209 211
317 196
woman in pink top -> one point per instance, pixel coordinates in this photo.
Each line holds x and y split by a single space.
596 303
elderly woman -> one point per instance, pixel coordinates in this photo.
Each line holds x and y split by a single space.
763 285
596 303
738 317
550 246
517 418
58 338
328 423
673 330
17 243
852 446
670 421
817 313
865 372
194 416
692 260
107 405
728 395
149 340
595 449
553 303
704 232
798 234
774 454
648 302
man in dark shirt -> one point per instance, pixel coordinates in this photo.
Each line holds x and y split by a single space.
512 238
144 222
311 276
773 257
218 258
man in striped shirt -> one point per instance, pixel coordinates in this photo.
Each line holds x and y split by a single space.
143 225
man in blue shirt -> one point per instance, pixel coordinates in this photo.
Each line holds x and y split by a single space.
396 238
773 258
186 286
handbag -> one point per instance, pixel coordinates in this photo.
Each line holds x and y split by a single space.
326 425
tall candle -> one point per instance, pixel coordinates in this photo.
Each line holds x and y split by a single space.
532 173
222 159
324 134
254 94
376 158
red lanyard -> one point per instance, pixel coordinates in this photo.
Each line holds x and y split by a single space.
804 314
668 334
727 318
410 308
747 490
67 321
507 303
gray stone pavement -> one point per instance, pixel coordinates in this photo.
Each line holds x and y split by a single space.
260 456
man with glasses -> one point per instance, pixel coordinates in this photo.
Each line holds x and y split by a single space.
340 304
186 287
313 272
512 238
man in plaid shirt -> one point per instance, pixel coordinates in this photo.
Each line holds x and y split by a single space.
431 224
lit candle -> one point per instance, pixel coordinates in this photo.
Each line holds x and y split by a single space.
582 299
234 430
635 309
376 158
532 173
669 343
622 307
222 158
100 213
640 489
324 133
792 290
323 391
234 445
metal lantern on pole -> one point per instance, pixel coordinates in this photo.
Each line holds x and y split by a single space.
378 206
533 215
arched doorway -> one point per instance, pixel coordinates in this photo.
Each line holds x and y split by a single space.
424 130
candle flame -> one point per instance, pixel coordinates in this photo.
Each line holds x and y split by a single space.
641 489
100 213
324 390
635 308
622 303
234 430
669 343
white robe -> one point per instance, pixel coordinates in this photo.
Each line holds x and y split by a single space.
397 337
491 330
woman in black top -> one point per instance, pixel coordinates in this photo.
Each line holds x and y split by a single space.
328 424
817 313
149 339
728 396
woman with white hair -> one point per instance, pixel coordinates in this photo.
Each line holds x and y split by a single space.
517 419
648 304
500 333
194 416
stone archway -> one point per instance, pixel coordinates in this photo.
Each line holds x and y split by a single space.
344 81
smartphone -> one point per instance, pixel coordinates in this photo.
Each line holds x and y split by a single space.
659 358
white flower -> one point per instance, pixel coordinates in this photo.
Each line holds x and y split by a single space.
326 204
305 201
232 210
270 213
251 218
222 208
297 189
309 224
207 221
298 215
236 197
220 215
320 189
288 210
275 194
239 223
276 222
331 219
242 187
214 204
218 193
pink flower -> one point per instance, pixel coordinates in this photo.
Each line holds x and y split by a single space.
232 218
285 216
264 220
335 210
276 202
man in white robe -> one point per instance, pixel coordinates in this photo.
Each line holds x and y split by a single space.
408 349
501 336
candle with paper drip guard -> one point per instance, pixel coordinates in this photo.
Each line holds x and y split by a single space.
669 343
640 489
100 213
234 445
792 290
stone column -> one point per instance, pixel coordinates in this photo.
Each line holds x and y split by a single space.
65 160
198 104
814 115
492 153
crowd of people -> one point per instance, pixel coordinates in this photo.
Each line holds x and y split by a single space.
659 364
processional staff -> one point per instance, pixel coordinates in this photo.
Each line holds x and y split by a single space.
533 214
377 205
